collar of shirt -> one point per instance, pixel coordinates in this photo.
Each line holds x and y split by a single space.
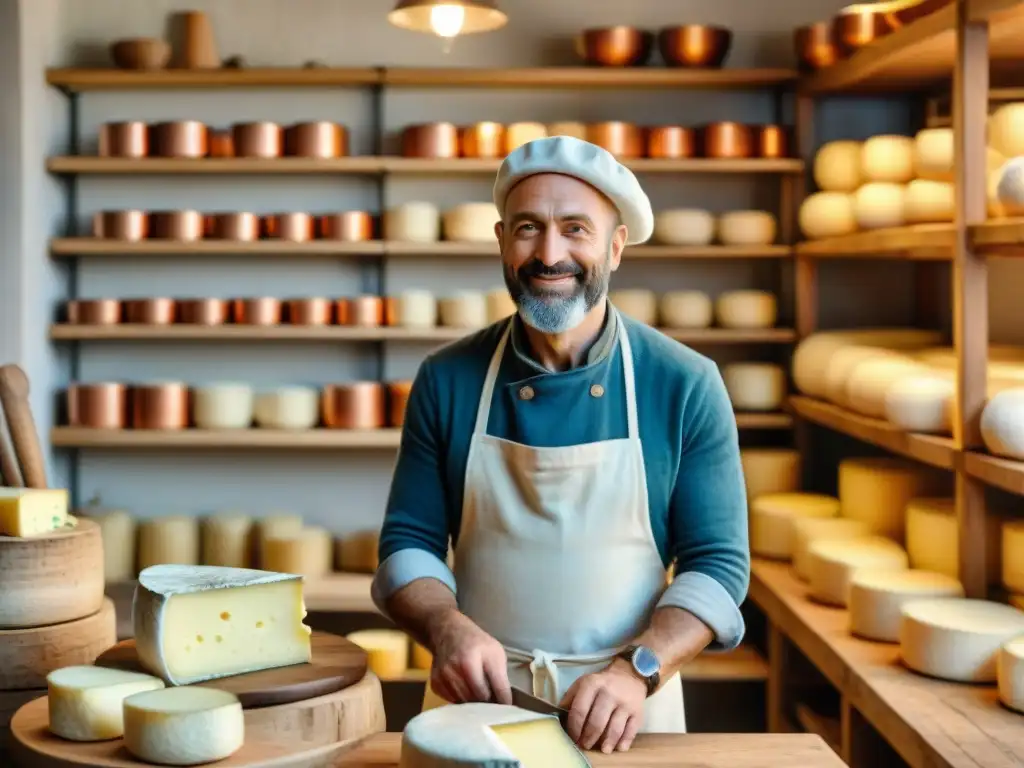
598 350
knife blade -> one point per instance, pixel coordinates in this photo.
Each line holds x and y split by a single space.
524 700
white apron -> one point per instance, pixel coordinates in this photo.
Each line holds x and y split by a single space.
556 557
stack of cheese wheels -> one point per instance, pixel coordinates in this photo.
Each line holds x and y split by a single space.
832 564
387 651
932 536
772 516
877 598
807 530
755 386
1010 674
876 491
171 539
770 470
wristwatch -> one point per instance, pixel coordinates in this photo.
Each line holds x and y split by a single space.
645 664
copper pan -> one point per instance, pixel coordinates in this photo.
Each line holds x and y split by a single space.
262 139
264 310
237 226
222 144
482 140
358 405
318 139
858 25
348 226
121 225
184 138
294 227
624 140
619 46
98 406
124 139
94 311
671 142
159 311
204 311
771 141
814 46
398 399
363 311
185 226
727 140
310 311
694 45
159 406
430 140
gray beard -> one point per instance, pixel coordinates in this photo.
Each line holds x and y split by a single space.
552 312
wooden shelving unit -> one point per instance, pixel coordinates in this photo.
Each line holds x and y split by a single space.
925 242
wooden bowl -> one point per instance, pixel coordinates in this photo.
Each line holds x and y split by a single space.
615 46
694 45
141 53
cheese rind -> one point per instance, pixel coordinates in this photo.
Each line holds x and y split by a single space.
196 623
86 702
1010 674
833 563
877 599
26 512
772 516
810 529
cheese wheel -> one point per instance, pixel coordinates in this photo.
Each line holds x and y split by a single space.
222 406
770 470
1010 187
1002 424
837 166
842 364
772 515
227 540
685 309
877 599
414 309
827 214
357 552
415 222
810 529
927 201
173 539
887 158
684 226
921 403
287 408
471 223
277 525
640 304
747 228
187 725
831 564
387 651
934 153
1010 674
877 491
994 207
932 534
880 205
421 657
869 382
746 309
308 552
568 128
86 702
118 530
1006 129
464 309
499 305
957 638
1012 565
518 134
755 386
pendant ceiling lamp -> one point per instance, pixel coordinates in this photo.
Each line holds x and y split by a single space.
448 18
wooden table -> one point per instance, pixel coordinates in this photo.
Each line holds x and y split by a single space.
698 750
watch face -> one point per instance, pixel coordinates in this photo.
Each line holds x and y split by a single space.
645 661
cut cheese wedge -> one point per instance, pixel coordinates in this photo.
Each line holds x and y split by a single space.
183 726
387 651
832 564
1010 674
810 529
85 702
772 516
877 599
196 623
487 735
28 512
957 638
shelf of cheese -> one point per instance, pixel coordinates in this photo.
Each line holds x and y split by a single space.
998 237
926 242
1007 474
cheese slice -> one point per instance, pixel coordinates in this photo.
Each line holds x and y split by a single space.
492 735
387 651
198 622
832 564
877 599
1010 674
772 516
183 726
33 511
810 529
85 702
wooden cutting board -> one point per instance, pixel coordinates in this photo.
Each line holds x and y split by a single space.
337 663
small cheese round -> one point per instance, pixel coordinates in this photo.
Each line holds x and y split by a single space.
869 382
877 491
1013 555
463 309
887 158
274 526
747 228
222 406
755 386
810 529
746 309
499 305
957 638
880 205
1010 674
307 552
837 166
827 214
85 702
288 408
927 201
772 515
770 470
685 309
1006 129
1002 424
471 223
173 539
387 651
413 308
933 154
639 303
833 562
517 134
921 403
877 599
416 222
684 226
227 540
185 725
1010 187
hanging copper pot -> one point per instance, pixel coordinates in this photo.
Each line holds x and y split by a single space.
348 226
264 310
671 142
358 405
438 140
203 311
294 227
98 406
186 226
624 140
362 311
94 311
159 406
398 399
482 140
183 138
727 140
124 139
317 139
243 227
150 311
121 225
260 139
310 311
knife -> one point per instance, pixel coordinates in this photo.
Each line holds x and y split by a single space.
524 700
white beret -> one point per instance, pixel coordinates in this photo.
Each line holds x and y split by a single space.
587 162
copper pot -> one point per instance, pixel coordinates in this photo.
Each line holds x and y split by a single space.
694 45
125 139
159 406
363 311
319 139
771 141
727 140
98 406
619 46
295 227
233 226
430 140
857 25
222 144
358 405
348 226
94 311
814 47
482 140
260 139
398 399
184 138
624 140
264 310
186 226
204 311
671 142
121 225
150 311
310 311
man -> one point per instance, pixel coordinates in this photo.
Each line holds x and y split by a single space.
571 454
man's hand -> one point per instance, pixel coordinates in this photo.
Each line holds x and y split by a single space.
606 707
469 664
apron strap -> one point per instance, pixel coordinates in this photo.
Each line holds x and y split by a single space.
544 667
484 408
632 421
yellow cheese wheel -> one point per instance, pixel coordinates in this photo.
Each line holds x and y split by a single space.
922 402
387 651
747 228
877 490
772 516
464 309
929 201
887 158
308 552
770 470
807 530
843 362
684 226
518 134
227 540
1006 129
827 214
870 379
685 309
832 564
471 223
837 166
169 540
877 598
755 386
638 303
933 154
879 205
746 309
932 535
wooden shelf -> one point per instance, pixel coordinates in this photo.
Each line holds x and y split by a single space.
1001 473
928 449
929 242
999 237
75 80
764 420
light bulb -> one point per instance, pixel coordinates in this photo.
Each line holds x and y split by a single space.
447 20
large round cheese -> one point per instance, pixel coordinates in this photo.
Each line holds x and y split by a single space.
842 364
416 222
685 309
807 530
227 540
1010 187
1002 424
957 638
308 552
869 381
747 228
879 205
933 533
1006 129
827 214
1010 674
119 532
287 408
921 402
414 308
877 491
517 134
172 539
746 309
837 166
387 651
639 303
772 515
770 470
755 386
1013 555
887 158
185 725
832 563
926 201
222 406
877 599
933 154
86 702
684 226
464 309
471 223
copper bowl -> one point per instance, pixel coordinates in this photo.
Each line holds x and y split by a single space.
150 311
430 140
159 406
98 406
186 226
671 142
310 311
262 139
814 47
727 140
94 311
318 139
858 25
121 225
358 405
482 140
184 138
125 139
619 46
264 310
238 226
222 144
694 45
771 141
398 399
624 140
204 311
362 311
294 227
348 226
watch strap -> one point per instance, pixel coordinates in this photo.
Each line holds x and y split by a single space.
652 681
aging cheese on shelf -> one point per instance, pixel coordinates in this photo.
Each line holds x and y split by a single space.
518 134
471 223
869 382
807 530
957 638
172 539
639 303
879 205
932 538
183 726
287 408
933 154
118 530
926 201
1002 424
684 226
86 702
1006 129
747 228
463 309
499 305
827 214
772 516
887 158
486 735
877 599
685 309
309 552
416 222
755 386
274 525
922 402
196 623
413 308
833 562
387 651
844 362
357 552
222 406
26 512
1013 555
746 309
770 470
877 490
227 540
1010 674
837 166
1010 187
